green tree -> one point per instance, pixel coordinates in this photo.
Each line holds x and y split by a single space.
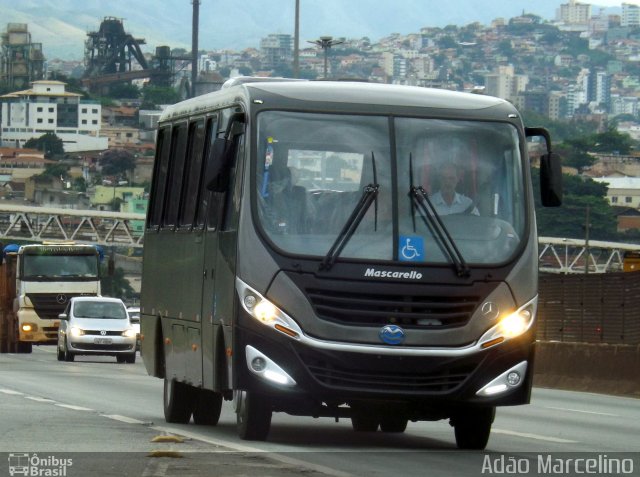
124 91
569 220
48 143
115 284
116 162
152 96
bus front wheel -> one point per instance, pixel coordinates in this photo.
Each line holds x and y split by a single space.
178 401
253 415
473 427
208 405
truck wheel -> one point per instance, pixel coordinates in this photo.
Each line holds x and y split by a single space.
68 355
178 401
473 427
207 408
393 424
253 415
24 347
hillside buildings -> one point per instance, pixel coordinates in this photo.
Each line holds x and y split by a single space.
48 108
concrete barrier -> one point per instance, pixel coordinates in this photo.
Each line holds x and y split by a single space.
598 368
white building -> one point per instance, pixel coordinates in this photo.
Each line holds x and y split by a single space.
574 13
48 108
630 15
623 191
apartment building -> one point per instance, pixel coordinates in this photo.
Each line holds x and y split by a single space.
48 108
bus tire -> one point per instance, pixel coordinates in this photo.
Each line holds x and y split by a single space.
393 424
362 422
473 428
208 406
177 401
253 416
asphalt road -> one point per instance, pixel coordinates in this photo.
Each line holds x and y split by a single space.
107 418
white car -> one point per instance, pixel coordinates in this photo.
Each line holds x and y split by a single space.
134 317
96 325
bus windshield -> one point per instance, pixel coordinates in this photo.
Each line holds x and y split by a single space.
312 170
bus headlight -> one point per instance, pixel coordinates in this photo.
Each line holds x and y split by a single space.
266 312
75 331
511 325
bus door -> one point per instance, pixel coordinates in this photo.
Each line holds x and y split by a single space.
218 285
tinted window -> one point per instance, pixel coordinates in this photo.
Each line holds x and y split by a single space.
176 169
159 177
193 173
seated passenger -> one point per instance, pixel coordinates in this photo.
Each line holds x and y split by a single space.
447 201
286 203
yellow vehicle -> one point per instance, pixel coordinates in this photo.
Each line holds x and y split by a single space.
36 283
631 261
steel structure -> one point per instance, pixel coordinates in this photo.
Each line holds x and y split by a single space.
564 255
21 60
40 224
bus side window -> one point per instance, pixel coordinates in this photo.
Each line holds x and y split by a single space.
203 201
160 177
193 172
176 169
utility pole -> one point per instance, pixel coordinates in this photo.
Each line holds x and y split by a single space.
326 42
587 226
296 42
194 46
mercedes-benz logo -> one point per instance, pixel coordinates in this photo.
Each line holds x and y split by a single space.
61 298
490 310
103 333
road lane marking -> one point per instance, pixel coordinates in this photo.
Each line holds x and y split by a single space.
580 410
12 392
39 399
128 420
75 408
533 436
234 447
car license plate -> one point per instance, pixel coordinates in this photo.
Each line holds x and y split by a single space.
102 340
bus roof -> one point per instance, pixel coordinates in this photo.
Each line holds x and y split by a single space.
337 94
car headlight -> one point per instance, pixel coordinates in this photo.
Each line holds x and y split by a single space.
75 331
266 312
511 325
129 333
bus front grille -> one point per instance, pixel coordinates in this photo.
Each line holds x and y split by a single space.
380 308
433 381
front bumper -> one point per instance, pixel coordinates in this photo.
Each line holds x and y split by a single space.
420 383
42 331
91 344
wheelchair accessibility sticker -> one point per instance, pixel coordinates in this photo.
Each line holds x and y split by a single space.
411 249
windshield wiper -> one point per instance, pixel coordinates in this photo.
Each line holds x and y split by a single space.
428 213
369 195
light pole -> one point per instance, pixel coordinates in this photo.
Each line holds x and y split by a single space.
326 42
296 42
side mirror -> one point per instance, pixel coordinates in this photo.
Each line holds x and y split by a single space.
551 180
63 316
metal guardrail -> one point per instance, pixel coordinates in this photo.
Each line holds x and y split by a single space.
40 224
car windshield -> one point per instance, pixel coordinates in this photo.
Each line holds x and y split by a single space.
107 310
312 170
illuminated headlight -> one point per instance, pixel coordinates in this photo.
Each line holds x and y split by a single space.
511 325
264 367
29 327
130 333
75 331
266 312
